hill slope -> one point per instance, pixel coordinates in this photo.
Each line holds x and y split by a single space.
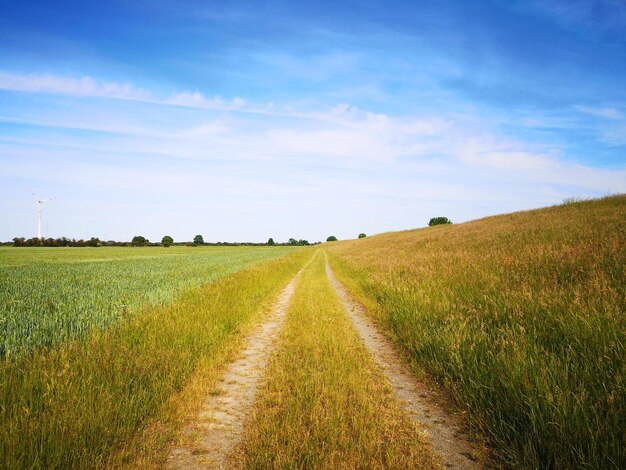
521 317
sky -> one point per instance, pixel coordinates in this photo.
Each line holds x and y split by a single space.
244 120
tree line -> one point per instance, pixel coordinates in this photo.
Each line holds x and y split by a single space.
168 240
139 240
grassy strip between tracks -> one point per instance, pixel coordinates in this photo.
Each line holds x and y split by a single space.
86 403
326 404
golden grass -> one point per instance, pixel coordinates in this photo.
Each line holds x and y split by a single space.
326 405
521 317
104 400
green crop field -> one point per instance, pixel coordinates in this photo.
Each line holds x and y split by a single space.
78 394
54 294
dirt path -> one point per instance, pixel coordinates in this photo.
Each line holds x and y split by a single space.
441 429
219 425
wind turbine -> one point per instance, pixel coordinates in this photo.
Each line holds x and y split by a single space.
40 203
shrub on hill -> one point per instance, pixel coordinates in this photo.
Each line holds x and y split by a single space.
439 221
332 238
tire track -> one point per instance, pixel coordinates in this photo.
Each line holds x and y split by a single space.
441 428
219 424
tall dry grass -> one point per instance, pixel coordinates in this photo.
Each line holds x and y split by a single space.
521 317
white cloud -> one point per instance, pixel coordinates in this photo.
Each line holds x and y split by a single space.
89 87
342 163
343 137
514 162
76 86
608 113
504 155
198 100
204 130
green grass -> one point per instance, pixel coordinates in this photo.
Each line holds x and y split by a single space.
326 404
521 317
87 402
50 295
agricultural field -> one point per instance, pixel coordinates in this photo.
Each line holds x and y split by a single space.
505 334
50 295
520 317
82 400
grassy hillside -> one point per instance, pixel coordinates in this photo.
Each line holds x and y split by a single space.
521 317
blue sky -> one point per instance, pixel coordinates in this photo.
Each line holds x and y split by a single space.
249 120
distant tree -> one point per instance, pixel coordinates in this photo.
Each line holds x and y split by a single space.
95 242
198 240
294 242
270 242
137 240
332 238
362 235
439 221
167 240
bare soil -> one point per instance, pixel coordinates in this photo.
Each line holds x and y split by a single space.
219 425
442 429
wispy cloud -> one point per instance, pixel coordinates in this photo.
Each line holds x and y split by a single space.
81 86
340 136
113 139
516 162
90 87
196 99
606 112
